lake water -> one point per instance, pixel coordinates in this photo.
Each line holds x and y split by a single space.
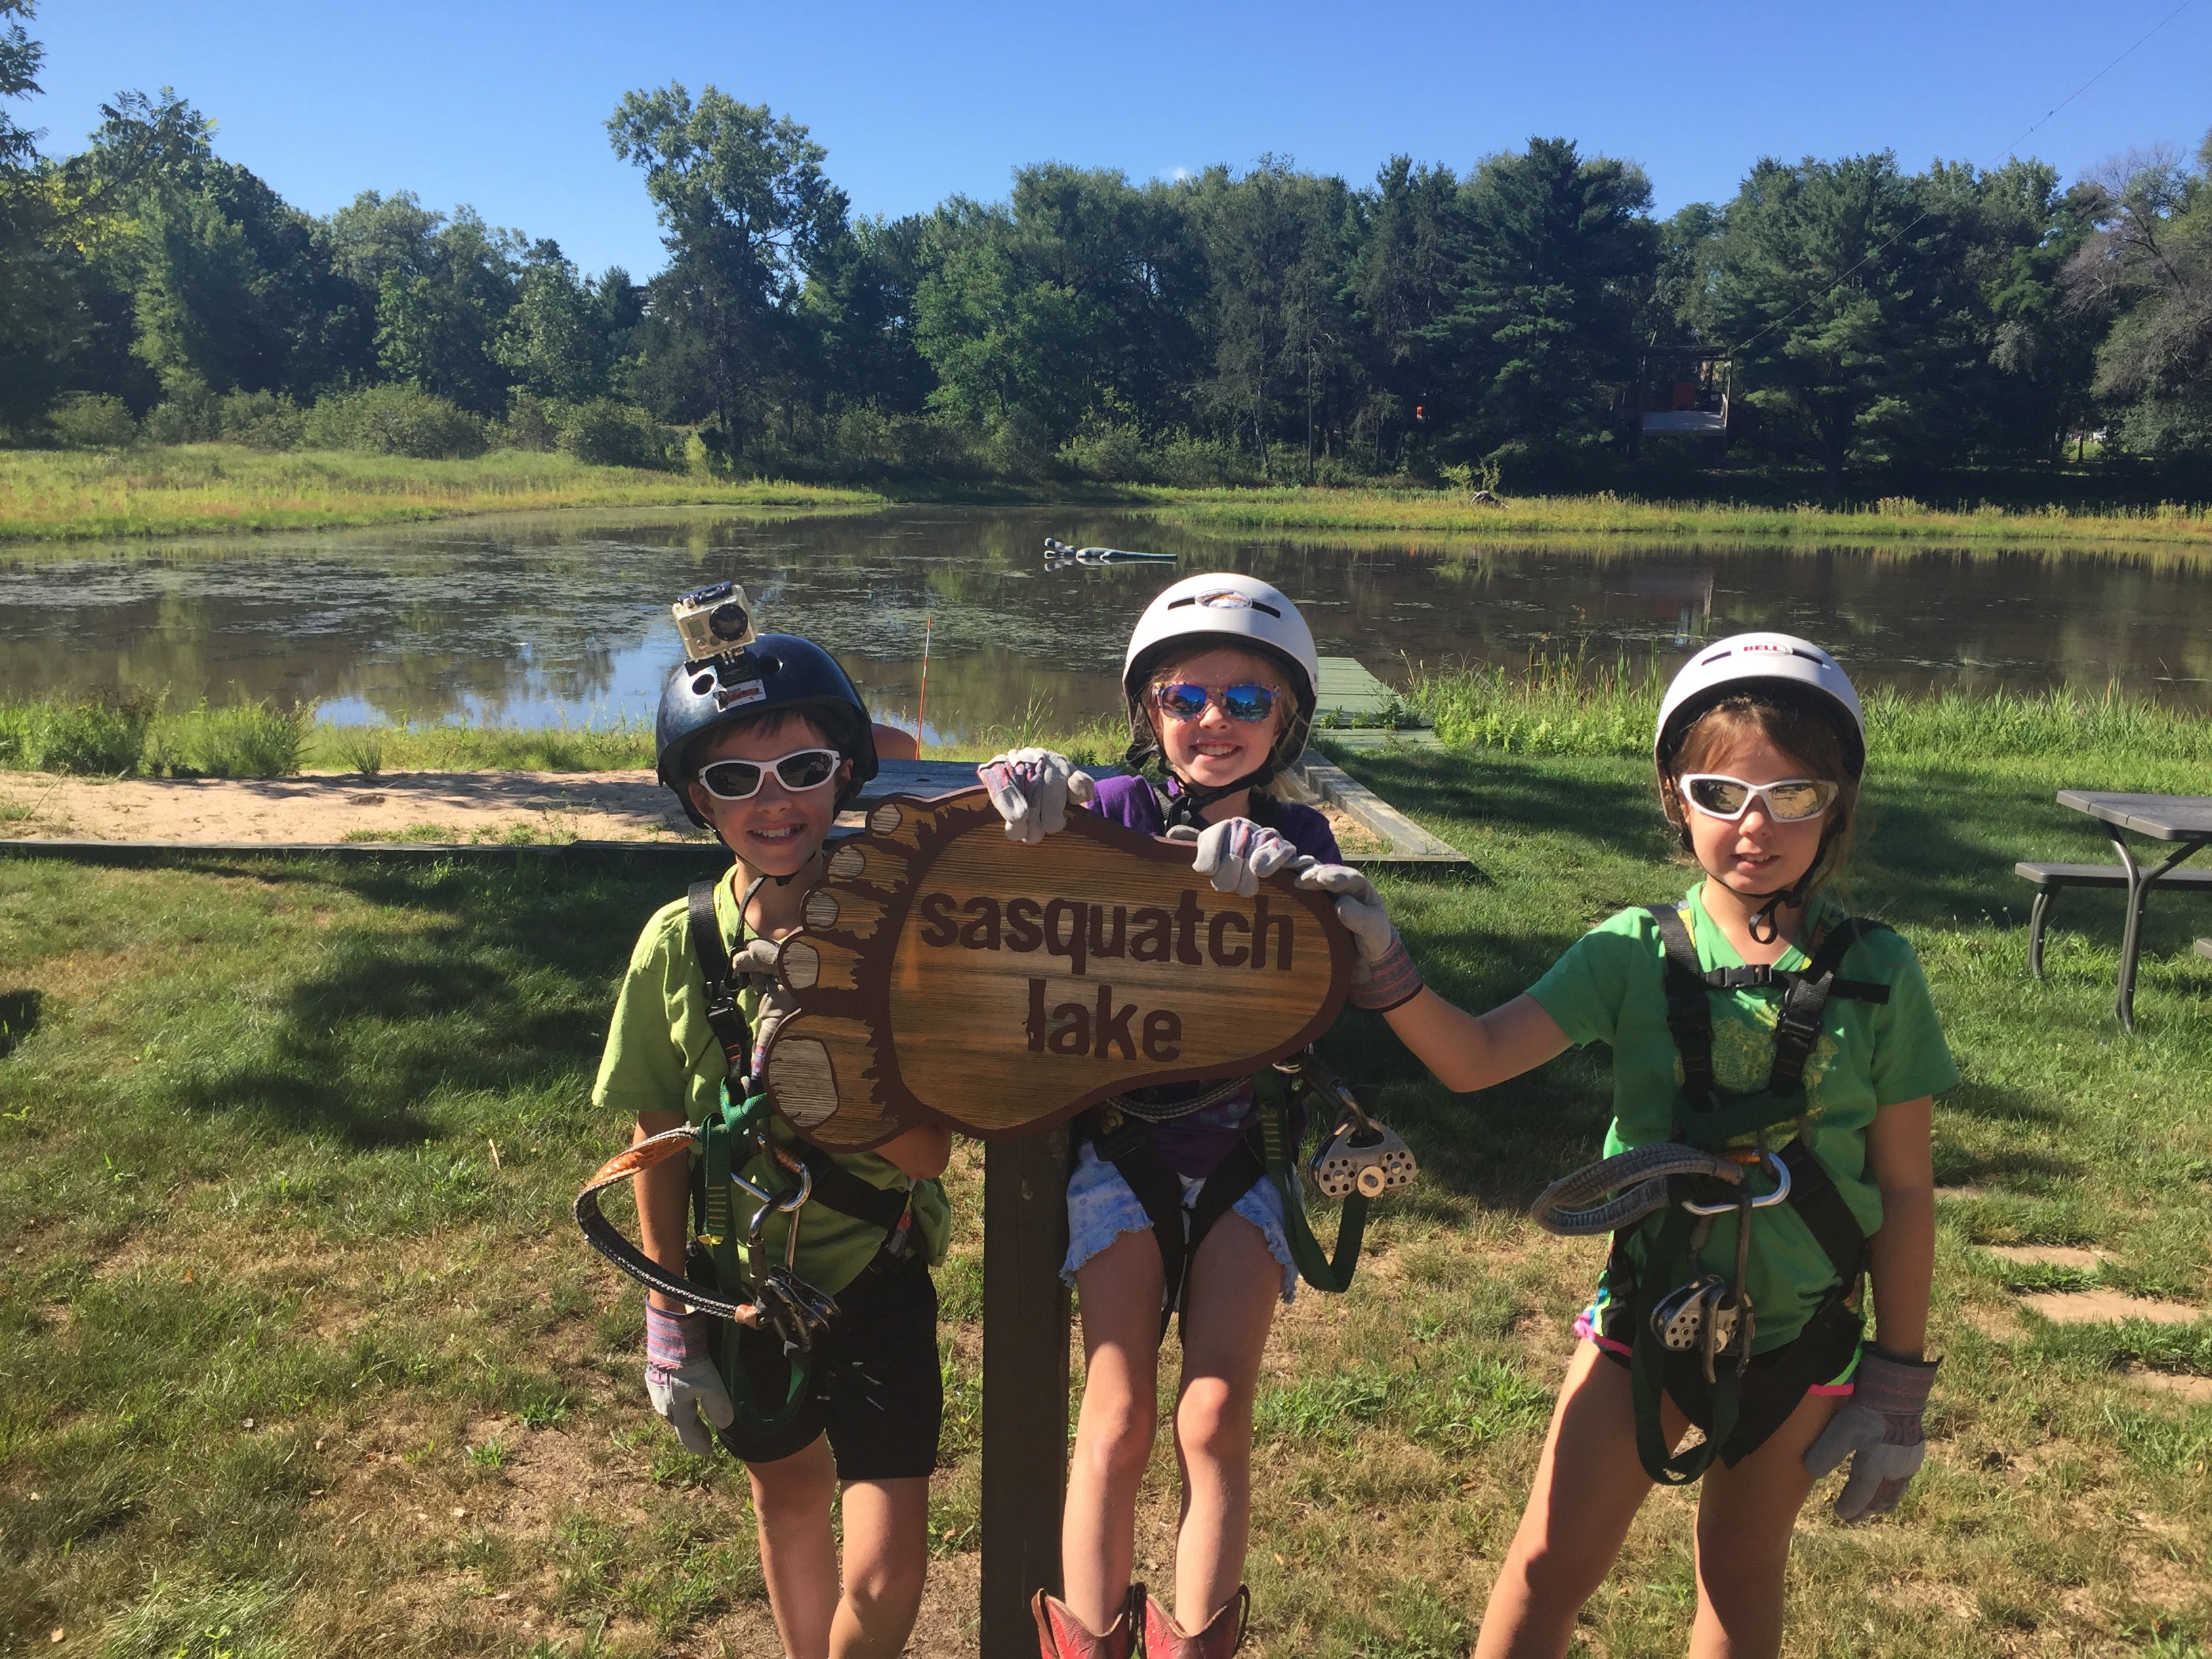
550 619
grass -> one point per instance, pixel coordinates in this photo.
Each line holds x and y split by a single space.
1892 519
195 489
302 1356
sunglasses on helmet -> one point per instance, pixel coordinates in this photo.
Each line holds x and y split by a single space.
740 780
1788 800
1185 701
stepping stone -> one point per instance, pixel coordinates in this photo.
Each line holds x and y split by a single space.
2195 1390
2107 1307
2046 1256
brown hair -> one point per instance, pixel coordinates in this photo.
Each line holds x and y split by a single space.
1802 726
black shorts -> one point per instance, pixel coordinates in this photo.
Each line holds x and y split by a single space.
876 1390
1774 1382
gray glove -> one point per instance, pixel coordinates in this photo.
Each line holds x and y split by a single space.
1383 975
777 1004
680 1380
1881 1424
1237 855
1031 789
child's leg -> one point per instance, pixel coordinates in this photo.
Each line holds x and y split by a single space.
1120 1289
1235 1285
1745 1518
799 1555
1588 1485
886 1557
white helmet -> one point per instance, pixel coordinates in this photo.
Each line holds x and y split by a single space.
1719 669
1226 609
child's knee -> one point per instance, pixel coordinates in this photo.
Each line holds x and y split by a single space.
886 1590
1213 1419
1117 1436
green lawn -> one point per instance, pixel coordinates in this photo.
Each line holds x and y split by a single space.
200 488
303 1356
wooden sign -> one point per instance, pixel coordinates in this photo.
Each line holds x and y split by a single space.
947 974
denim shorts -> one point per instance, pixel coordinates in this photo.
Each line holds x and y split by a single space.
1101 1208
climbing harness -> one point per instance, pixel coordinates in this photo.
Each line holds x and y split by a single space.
1670 1195
1357 1159
784 1309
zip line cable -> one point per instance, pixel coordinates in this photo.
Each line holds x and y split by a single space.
1866 258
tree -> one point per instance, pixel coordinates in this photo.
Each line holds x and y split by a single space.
556 340
33 305
2148 267
1400 278
745 209
1553 256
442 289
1841 287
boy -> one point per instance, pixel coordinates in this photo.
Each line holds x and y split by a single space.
764 746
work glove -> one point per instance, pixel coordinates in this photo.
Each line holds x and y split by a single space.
1382 975
1881 1424
1237 855
1031 789
758 961
681 1380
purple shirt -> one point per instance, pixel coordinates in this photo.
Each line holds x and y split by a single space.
1192 1146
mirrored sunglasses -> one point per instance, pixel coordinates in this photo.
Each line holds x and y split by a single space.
740 780
1184 701
1788 800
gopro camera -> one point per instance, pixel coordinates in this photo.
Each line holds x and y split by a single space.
714 622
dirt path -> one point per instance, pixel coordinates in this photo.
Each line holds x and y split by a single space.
440 807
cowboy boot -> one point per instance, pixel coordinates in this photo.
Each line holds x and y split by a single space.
1223 1635
1061 1635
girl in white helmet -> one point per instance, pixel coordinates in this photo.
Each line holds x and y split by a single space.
1774 1061
1168 1206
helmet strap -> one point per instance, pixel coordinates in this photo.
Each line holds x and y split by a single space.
1764 925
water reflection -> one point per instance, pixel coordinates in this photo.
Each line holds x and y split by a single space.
562 618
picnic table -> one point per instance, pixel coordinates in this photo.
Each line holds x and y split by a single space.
2183 822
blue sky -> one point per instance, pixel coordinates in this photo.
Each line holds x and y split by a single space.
501 104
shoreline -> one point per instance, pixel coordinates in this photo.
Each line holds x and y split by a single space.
49 498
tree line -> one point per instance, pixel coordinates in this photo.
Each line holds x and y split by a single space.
1271 324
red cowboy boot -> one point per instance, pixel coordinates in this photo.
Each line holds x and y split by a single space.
1223 1635
1061 1635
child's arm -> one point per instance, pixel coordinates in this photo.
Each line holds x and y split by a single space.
1470 1051
663 1197
1901 1256
920 1152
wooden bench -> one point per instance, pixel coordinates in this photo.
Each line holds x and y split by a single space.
2050 877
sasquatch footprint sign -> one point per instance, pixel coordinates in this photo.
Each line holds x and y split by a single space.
947 974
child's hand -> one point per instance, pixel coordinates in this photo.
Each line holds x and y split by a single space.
1031 789
682 1381
1384 975
1879 1430
1237 855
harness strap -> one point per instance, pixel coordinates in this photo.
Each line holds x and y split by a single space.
1689 1018
1324 1273
1647 1380
1129 1147
724 1017
1820 1204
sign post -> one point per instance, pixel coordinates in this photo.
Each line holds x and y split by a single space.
1025 1330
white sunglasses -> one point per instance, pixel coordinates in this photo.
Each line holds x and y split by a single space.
798 772
1787 801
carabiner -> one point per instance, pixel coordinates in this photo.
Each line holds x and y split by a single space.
1780 1194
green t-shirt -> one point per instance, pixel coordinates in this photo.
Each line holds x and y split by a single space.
661 1056
1610 987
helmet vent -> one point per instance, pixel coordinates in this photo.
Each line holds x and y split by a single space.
702 684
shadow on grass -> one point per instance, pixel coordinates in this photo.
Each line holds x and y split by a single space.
468 979
19 1017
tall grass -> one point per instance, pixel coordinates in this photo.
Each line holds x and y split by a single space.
127 734
1571 707
1891 519
197 487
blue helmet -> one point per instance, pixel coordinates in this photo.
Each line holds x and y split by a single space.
779 673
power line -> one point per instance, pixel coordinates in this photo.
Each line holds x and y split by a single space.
2008 150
